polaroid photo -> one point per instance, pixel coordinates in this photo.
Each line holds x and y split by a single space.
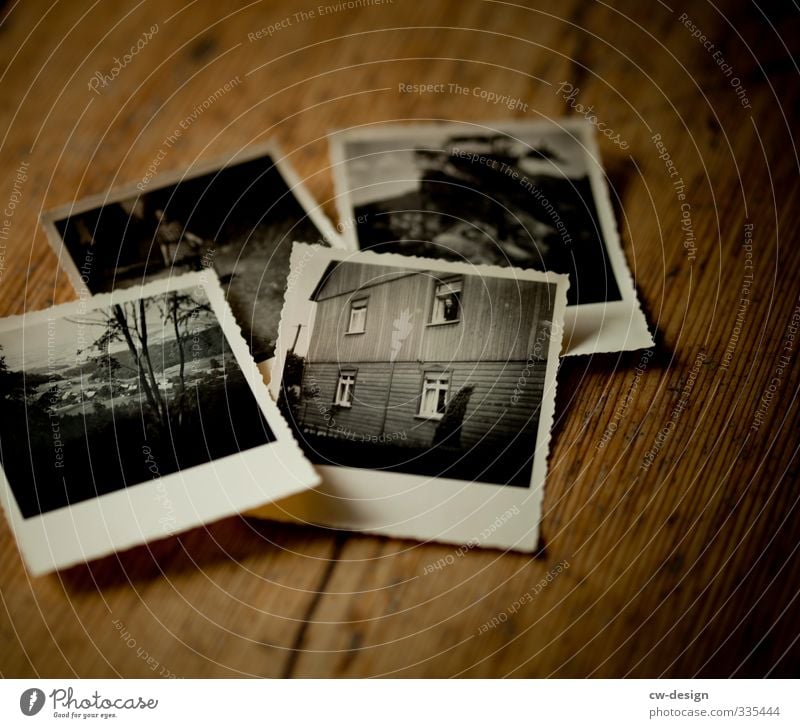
131 416
423 391
528 194
238 214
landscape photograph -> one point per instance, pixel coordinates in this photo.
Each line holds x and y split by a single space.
107 398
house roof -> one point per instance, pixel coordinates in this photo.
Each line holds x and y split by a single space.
323 281
327 275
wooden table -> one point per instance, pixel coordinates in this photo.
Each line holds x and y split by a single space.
687 568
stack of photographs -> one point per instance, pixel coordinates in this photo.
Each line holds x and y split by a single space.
413 360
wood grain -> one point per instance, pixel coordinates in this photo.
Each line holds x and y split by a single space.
688 567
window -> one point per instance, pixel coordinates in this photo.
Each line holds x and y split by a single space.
434 395
358 317
447 302
344 389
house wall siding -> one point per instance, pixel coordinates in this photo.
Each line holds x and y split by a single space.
498 318
365 417
503 405
386 304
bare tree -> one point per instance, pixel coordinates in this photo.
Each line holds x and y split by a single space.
181 310
127 322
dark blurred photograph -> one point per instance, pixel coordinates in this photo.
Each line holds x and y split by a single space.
239 219
521 198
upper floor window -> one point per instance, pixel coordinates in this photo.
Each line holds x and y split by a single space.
344 389
358 317
447 302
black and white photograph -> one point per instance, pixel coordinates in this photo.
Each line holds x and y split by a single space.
437 376
531 195
103 396
238 215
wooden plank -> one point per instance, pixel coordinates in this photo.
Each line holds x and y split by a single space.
686 567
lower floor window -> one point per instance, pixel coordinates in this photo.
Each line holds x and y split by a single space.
344 389
434 395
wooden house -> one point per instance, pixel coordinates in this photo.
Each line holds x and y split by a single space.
418 357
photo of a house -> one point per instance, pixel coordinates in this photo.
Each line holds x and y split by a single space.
419 371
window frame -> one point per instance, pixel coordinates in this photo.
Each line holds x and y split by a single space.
352 373
438 375
355 305
432 320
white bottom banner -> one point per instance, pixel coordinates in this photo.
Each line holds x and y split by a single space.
350 703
